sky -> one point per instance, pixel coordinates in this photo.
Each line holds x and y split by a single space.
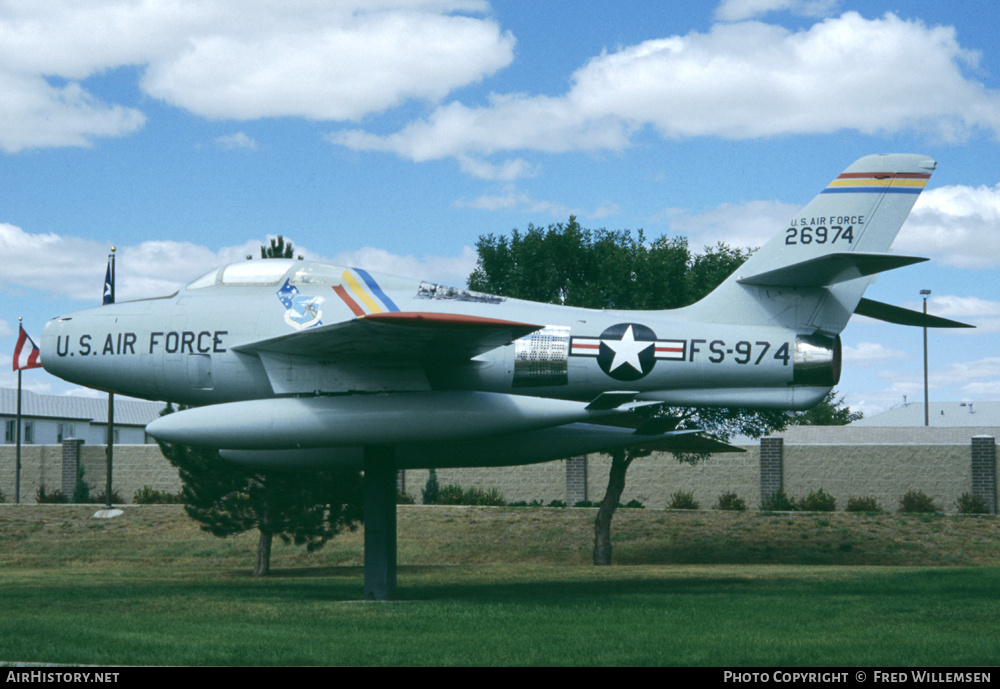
391 134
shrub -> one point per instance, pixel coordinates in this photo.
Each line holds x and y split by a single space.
818 501
777 502
150 496
634 504
404 498
477 496
431 489
683 500
81 491
450 495
55 496
867 503
730 501
100 498
917 501
586 503
556 503
456 495
968 503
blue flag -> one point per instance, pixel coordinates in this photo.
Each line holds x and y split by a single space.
109 287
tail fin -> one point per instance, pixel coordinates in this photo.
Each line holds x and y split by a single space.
814 274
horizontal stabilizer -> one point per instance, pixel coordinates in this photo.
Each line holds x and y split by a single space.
643 425
661 424
829 269
901 316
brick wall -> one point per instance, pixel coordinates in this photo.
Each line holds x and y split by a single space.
42 465
885 471
943 470
984 470
771 466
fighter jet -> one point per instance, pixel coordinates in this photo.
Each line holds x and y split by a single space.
300 364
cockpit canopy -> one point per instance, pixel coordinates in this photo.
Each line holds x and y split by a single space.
276 270
267 272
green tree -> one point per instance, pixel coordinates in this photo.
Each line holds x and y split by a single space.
277 249
830 412
81 491
568 264
304 508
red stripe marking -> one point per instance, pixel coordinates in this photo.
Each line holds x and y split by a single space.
445 320
884 175
351 304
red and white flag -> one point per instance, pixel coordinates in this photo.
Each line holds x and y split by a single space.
26 352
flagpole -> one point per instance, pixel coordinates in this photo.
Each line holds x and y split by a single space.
111 399
22 362
17 470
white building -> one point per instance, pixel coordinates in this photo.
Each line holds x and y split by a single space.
942 414
49 419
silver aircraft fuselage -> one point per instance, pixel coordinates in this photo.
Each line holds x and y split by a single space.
306 358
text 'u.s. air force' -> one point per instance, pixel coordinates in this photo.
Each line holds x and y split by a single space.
170 341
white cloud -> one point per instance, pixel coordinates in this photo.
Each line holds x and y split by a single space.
952 306
225 60
741 225
987 389
741 80
982 313
956 225
85 392
36 114
506 171
959 225
979 378
326 62
509 123
450 270
513 200
871 354
738 10
73 267
239 140
606 210
897 388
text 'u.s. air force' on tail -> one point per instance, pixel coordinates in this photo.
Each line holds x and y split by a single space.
297 364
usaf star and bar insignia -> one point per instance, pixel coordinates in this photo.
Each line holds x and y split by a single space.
627 351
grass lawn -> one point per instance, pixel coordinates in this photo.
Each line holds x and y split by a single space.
503 586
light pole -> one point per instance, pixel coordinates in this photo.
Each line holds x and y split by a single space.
927 409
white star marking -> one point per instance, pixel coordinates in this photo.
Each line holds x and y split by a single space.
627 350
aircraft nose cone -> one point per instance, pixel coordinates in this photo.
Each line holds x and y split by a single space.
53 333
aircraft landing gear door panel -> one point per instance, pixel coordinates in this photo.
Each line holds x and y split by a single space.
199 371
